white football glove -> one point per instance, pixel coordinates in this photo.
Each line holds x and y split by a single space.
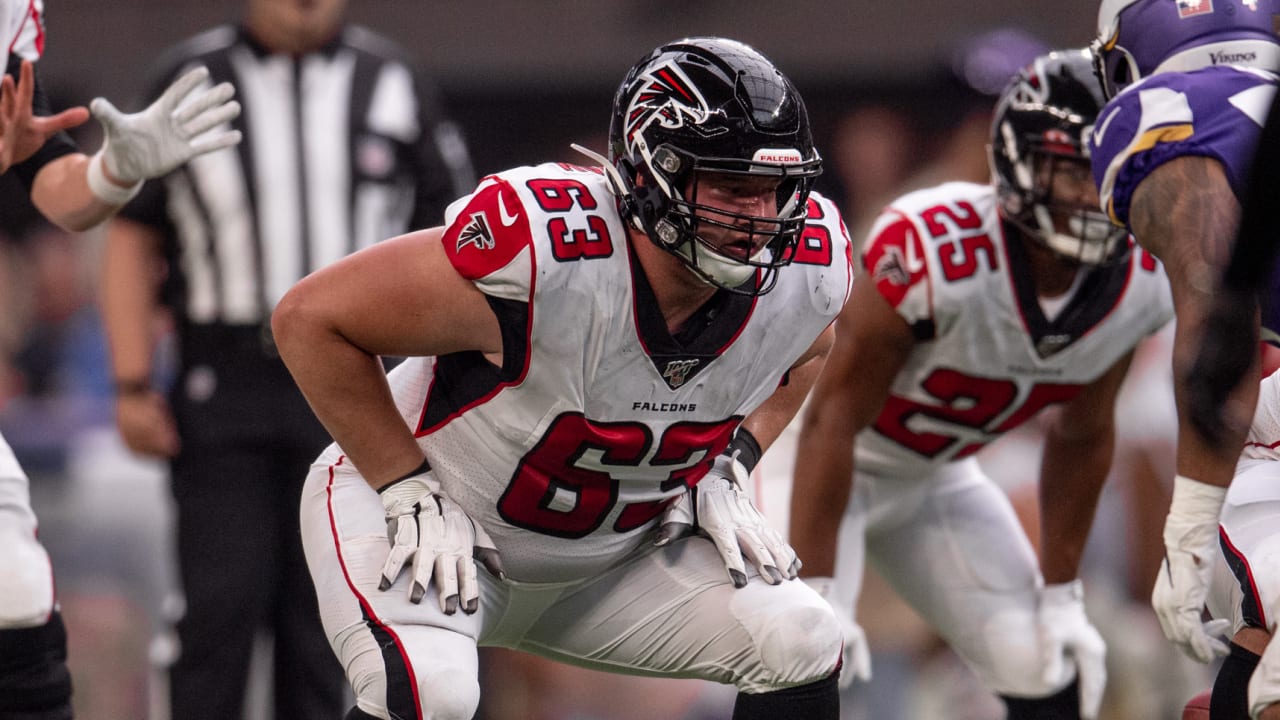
174 129
1064 631
855 654
1190 546
720 509
441 539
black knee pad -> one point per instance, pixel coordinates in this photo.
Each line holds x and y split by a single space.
1062 705
34 682
1230 700
816 701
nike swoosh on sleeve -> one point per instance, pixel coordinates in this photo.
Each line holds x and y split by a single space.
507 218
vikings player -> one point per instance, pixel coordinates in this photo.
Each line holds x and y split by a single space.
1190 88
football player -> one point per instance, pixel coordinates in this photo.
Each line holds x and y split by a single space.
1188 92
76 192
977 306
598 356
1245 586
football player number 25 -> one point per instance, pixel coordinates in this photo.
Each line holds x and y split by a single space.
970 403
564 487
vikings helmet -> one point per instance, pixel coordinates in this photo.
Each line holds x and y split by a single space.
711 105
1137 38
1044 117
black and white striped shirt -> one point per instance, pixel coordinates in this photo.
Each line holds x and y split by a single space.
342 147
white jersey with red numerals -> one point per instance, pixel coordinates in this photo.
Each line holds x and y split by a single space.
21 30
987 359
570 447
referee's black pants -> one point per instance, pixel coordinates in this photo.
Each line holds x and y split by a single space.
243 572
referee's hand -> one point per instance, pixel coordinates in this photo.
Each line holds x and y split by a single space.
146 424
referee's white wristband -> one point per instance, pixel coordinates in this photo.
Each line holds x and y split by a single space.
105 190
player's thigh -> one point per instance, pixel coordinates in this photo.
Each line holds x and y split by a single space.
964 563
673 612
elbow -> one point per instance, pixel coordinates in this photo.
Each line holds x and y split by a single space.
291 320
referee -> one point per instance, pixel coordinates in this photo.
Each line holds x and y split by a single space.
343 146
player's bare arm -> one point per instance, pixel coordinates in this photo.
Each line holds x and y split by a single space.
1077 457
1191 233
332 327
871 346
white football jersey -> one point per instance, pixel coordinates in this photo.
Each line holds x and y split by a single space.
987 358
22 25
1263 442
597 417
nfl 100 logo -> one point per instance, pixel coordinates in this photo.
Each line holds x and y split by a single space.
1191 8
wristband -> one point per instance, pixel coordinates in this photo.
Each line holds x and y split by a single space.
1062 593
424 467
125 388
1195 501
105 190
745 449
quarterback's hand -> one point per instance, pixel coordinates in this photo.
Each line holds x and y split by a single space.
22 132
855 656
1190 547
1065 630
174 129
719 508
441 539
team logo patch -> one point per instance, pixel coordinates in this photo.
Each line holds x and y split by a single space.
1191 8
665 96
476 232
891 268
677 372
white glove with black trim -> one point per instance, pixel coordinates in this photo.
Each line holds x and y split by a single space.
174 129
1064 630
442 540
1190 547
720 509
855 653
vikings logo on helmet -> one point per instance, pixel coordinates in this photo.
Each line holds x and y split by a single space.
476 232
667 97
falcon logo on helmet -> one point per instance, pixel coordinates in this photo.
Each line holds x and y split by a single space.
665 96
701 107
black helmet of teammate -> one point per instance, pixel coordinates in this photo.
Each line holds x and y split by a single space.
710 105
1043 117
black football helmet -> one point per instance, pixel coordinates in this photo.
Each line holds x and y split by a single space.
711 105
1045 116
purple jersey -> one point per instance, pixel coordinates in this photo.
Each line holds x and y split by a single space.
1215 112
